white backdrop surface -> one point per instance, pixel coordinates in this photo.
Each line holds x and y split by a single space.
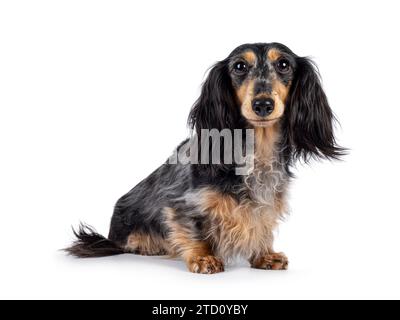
94 96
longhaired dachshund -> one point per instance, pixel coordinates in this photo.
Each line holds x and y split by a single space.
207 214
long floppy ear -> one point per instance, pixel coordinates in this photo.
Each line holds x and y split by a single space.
216 106
309 118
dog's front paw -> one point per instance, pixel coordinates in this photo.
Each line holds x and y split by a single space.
273 261
205 265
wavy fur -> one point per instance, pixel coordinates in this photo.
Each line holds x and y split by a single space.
206 214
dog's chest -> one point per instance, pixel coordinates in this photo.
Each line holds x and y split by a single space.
266 184
245 231
243 225
248 229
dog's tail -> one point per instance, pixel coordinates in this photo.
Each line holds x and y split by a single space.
90 244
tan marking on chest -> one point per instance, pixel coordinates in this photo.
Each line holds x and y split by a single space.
237 229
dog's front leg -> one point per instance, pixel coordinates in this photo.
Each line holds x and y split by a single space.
186 243
270 261
197 254
199 259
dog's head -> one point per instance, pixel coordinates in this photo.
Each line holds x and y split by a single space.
261 77
262 85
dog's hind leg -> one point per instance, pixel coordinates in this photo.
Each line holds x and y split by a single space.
146 244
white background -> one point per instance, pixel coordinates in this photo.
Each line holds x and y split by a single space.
94 96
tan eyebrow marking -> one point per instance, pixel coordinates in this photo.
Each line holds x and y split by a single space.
250 57
273 54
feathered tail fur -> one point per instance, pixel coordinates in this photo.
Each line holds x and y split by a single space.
90 244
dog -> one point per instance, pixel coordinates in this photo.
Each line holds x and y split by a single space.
207 214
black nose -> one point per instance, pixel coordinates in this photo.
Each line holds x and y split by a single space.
263 107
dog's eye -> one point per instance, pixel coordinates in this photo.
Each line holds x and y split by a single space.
240 67
283 65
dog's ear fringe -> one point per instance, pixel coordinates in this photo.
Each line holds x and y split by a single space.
216 108
309 122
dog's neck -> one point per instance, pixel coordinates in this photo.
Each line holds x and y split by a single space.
266 142
267 182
